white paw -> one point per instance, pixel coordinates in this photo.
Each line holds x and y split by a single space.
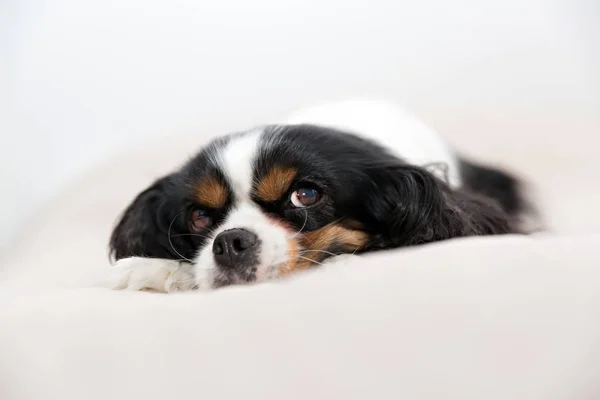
138 273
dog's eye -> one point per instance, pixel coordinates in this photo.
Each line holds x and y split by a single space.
199 220
305 197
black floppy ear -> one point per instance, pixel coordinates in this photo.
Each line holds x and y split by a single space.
409 205
143 229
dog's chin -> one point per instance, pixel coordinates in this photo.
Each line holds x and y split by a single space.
223 280
216 277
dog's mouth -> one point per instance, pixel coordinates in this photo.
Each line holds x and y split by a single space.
222 279
258 273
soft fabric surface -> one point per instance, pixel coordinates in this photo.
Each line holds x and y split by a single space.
482 318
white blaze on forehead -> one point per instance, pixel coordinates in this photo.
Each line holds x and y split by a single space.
237 161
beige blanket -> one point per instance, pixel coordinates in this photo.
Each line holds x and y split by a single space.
484 318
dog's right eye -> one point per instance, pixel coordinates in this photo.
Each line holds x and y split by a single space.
305 197
199 220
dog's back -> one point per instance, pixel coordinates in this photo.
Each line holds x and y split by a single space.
414 142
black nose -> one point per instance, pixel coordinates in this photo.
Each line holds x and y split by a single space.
236 248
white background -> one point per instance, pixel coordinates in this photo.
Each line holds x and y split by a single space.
83 80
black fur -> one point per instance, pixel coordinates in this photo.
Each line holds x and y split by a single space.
409 206
143 227
362 185
155 224
495 184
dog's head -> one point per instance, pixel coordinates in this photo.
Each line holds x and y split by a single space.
269 202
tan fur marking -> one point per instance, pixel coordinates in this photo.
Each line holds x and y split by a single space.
332 235
290 266
275 183
211 193
321 240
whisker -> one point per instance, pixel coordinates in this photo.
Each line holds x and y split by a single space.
303 226
320 251
192 234
338 220
171 242
309 259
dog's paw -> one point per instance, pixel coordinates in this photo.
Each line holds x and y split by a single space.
154 274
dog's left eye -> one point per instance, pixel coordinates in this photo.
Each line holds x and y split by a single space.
305 197
199 220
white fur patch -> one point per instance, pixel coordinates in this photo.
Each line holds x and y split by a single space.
389 126
138 273
236 162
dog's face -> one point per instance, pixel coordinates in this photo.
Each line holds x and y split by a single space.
269 202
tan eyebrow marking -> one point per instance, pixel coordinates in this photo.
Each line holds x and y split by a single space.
212 193
275 183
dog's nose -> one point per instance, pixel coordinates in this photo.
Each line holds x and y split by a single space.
235 248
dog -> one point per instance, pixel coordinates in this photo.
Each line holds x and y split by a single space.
331 181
